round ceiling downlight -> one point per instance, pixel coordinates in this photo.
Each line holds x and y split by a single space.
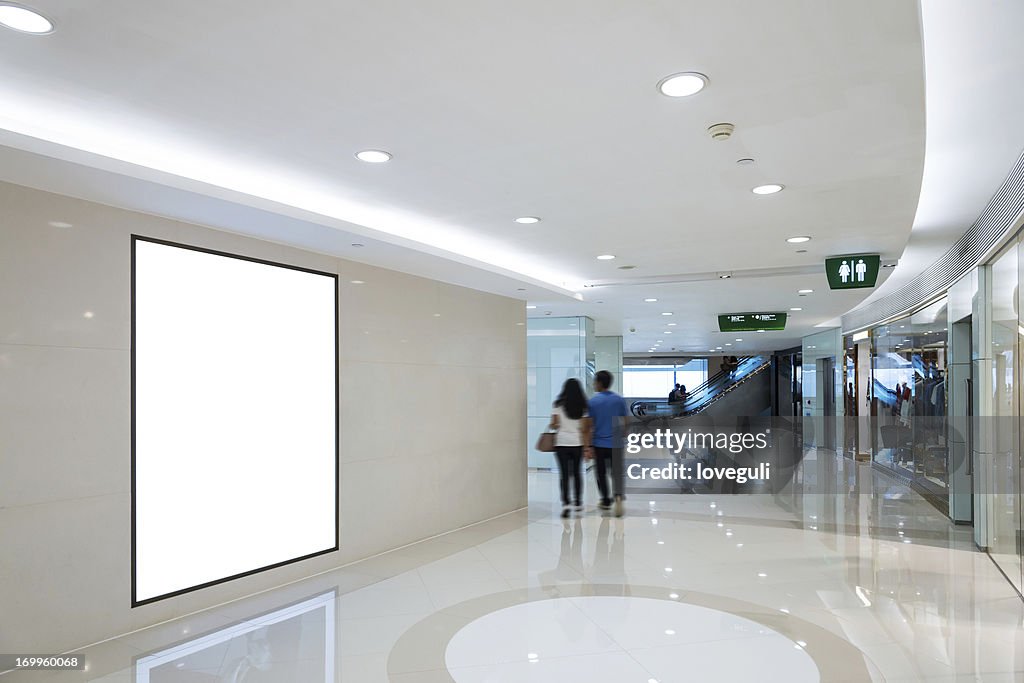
800 239
770 188
682 84
527 220
605 257
373 156
23 19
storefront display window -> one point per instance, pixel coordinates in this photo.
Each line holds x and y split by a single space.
908 400
1005 477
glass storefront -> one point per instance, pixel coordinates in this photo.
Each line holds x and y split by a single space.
1005 476
895 392
908 366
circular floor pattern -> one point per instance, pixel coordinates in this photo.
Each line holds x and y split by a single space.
608 638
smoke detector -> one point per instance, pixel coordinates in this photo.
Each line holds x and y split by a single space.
721 131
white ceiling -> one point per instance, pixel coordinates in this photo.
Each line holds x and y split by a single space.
222 114
973 56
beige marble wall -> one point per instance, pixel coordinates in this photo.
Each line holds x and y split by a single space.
432 414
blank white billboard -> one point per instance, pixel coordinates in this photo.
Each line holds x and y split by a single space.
234 416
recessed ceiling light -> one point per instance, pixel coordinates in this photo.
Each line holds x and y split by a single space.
760 330
667 332
358 245
728 343
531 307
739 340
801 251
59 224
650 301
725 276
373 156
526 220
627 267
796 308
672 324
88 314
711 350
659 341
682 84
718 348
745 162
24 19
666 313
358 282
805 291
605 257
770 188
798 239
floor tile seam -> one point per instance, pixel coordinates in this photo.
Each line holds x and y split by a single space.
612 638
480 558
618 650
773 635
911 659
497 570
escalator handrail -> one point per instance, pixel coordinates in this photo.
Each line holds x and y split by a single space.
721 378
717 377
727 389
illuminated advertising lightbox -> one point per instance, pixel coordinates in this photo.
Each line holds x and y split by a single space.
234 417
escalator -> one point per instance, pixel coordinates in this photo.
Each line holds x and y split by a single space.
745 391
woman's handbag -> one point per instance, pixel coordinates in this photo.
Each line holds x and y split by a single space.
546 442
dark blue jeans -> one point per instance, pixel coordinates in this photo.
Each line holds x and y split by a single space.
570 460
608 461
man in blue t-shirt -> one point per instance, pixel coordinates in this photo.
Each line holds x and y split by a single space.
607 412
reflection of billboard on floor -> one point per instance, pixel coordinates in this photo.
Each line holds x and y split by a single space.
291 645
234 417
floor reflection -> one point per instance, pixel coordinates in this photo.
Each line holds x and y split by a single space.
294 643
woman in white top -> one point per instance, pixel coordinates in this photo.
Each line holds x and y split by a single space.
572 425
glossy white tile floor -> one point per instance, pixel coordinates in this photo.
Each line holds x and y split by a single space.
851 578
622 638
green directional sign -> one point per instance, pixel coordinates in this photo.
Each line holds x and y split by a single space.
751 322
852 272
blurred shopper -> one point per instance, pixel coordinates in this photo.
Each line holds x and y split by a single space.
607 413
673 396
572 427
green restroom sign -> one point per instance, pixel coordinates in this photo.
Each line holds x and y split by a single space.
852 272
751 322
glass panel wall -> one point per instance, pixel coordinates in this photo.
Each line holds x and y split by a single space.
908 400
1005 537
556 349
656 381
